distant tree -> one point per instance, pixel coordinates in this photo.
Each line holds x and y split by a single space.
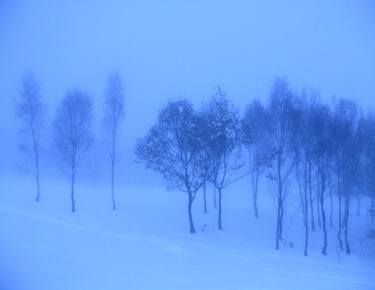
279 138
207 164
31 111
368 128
253 137
72 134
224 143
302 153
345 163
113 116
174 147
360 188
322 153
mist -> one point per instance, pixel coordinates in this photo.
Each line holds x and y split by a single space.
171 49
185 59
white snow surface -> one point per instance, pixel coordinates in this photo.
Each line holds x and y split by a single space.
145 243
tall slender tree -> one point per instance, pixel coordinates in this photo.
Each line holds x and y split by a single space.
279 139
345 163
253 137
113 116
223 145
302 154
31 111
322 152
72 134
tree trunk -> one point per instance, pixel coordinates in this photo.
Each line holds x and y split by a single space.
37 179
254 181
36 156
324 249
219 224
340 222
330 208
113 160
190 214
113 183
318 212
306 217
346 223
72 198
215 201
279 204
278 227
311 202
204 198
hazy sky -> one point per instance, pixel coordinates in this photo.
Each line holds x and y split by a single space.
166 49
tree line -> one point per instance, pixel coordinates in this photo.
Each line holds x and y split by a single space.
322 154
71 131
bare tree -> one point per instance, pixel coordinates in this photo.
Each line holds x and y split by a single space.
31 111
223 144
113 115
72 134
302 149
345 163
174 147
253 137
279 137
322 153
369 168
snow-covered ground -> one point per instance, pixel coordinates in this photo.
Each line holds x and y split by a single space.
145 244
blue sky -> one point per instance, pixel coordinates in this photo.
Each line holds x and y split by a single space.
167 49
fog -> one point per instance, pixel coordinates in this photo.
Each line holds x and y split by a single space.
169 49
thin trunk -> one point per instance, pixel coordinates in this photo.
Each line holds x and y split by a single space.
190 215
279 204
215 201
278 227
306 216
254 181
324 249
72 198
311 201
113 184
346 223
318 190
281 221
37 170
204 198
219 224
330 208
113 160
37 178
340 222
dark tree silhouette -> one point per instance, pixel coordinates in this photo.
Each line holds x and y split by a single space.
322 153
31 111
223 144
72 134
113 116
174 147
345 163
302 153
253 127
279 139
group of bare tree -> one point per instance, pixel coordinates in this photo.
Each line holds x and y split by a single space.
322 154
71 131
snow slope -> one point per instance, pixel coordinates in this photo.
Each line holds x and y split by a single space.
146 244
